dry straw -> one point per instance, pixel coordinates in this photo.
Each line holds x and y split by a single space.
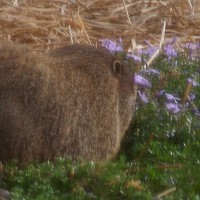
50 23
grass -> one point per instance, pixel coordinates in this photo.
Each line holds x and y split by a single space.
159 158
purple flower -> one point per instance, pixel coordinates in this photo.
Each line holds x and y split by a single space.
150 50
172 107
191 97
139 51
111 45
170 51
143 97
171 97
142 81
191 46
194 83
134 57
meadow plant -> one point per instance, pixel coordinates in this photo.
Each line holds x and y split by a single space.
168 100
173 103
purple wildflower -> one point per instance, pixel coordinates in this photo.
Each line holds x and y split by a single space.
150 50
194 83
142 81
139 51
134 57
143 97
112 46
191 97
191 48
173 107
170 51
171 97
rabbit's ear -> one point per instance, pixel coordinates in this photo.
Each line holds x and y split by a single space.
117 67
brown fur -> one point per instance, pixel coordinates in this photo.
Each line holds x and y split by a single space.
75 102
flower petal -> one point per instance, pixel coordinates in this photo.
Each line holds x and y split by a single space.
194 83
170 51
142 81
134 57
171 97
173 107
143 97
111 45
191 97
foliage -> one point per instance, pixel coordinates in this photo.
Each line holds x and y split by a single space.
159 156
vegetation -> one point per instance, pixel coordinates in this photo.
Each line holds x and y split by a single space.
159 158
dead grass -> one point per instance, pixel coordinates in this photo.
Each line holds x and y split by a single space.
50 23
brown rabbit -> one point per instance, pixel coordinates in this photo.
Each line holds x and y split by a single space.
76 102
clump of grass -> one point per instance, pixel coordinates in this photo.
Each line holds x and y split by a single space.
80 180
